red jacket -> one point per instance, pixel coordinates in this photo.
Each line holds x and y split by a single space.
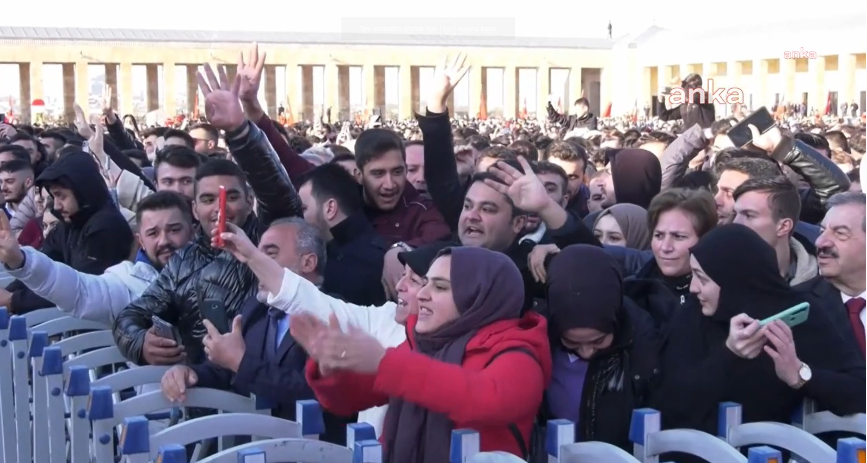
475 395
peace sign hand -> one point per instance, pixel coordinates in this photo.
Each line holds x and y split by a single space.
524 189
446 77
107 110
10 251
81 123
221 99
250 74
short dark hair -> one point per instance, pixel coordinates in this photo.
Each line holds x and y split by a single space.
700 179
155 131
783 198
55 135
338 150
373 143
177 156
582 101
479 142
565 151
482 176
698 204
814 141
656 137
545 167
837 140
221 167
526 149
299 144
331 181
176 133
342 157
17 151
161 201
24 136
16 165
755 168
498 152
213 133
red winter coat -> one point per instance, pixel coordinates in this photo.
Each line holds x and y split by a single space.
483 394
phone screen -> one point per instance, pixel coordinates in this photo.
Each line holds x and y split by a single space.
740 134
221 219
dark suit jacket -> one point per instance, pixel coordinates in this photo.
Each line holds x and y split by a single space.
281 383
822 294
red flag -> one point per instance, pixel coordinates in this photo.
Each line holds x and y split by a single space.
827 105
483 108
10 113
290 118
524 113
607 112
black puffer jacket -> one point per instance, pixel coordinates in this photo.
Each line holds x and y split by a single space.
199 272
95 238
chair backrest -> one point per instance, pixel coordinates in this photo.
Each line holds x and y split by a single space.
127 379
808 418
68 324
94 359
851 450
38 342
37 317
300 450
785 436
7 392
84 341
19 343
649 441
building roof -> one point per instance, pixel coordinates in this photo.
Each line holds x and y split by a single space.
69 34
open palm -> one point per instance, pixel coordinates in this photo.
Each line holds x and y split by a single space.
445 79
524 189
221 99
250 73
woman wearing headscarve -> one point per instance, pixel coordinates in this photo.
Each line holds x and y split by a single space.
605 348
471 360
716 350
623 225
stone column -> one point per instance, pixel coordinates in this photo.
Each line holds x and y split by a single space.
379 87
153 87
169 89
478 86
124 89
760 83
543 89
231 71
788 67
270 73
82 86
368 85
819 94
343 110
847 66
307 110
408 86
30 76
111 81
734 74
68 91
414 85
193 89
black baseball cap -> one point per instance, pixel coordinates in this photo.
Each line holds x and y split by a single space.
421 258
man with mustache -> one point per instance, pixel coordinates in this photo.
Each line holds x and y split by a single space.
840 287
164 225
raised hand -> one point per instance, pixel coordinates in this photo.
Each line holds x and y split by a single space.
10 251
446 78
524 189
81 122
250 74
237 243
221 99
107 110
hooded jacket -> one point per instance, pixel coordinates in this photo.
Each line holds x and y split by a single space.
95 238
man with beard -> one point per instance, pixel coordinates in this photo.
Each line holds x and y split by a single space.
840 288
164 225
239 361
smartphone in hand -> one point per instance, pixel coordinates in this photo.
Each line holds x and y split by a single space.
792 316
165 329
740 134
214 311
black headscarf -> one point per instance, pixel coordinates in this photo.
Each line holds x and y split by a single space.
585 290
487 288
637 176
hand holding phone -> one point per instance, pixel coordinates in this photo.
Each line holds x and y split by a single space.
214 311
741 134
792 316
165 329
221 218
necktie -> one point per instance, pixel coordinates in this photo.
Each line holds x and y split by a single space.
273 332
854 306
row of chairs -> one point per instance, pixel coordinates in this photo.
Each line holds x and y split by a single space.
63 412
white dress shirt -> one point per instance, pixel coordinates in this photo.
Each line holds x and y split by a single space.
863 311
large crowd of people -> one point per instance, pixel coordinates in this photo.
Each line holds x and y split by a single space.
443 273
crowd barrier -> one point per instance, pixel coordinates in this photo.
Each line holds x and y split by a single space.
56 408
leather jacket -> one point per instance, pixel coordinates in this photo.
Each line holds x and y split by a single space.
198 272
